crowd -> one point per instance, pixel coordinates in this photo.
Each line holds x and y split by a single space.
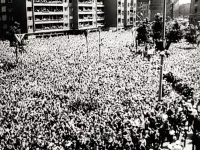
61 97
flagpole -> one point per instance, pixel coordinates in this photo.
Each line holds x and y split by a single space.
162 53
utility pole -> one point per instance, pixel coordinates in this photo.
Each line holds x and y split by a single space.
162 53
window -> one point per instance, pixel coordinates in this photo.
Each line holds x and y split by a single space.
3 8
4 18
30 27
29 9
10 9
3 1
5 26
10 1
29 18
195 10
70 1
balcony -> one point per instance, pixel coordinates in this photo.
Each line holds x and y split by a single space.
49 28
87 12
86 27
100 11
49 13
48 21
100 4
48 2
85 3
86 20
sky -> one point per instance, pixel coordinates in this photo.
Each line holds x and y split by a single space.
184 1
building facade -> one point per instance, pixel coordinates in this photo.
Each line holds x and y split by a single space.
172 8
88 14
40 17
194 17
184 11
143 9
120 13
6 16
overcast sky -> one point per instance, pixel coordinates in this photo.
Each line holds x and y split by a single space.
184 1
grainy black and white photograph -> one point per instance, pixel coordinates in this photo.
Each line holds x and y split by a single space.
99 75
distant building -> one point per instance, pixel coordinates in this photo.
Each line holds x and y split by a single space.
172 8
176 6
143 9
120 13
194 12
184 10
6 16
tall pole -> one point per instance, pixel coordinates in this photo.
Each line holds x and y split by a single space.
99 28
162 53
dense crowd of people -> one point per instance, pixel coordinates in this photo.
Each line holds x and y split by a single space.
61 97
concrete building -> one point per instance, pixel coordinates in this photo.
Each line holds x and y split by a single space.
184 11
120 13
88 14
130 13
143 9
194 12
53 17
176 8
6 16
38 17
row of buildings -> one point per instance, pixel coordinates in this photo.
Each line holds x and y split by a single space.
38 17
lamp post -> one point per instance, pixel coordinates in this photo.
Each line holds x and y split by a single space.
162 54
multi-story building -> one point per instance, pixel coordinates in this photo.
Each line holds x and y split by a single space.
184 10
172 8
88 14
6 16
120 13
194 12
42 16
130 12
143 10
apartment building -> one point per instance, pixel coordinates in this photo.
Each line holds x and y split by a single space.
38 17
130 13
195 12
88 14
120 13
143 9
6 16
52 17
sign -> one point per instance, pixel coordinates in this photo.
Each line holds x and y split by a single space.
19 37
